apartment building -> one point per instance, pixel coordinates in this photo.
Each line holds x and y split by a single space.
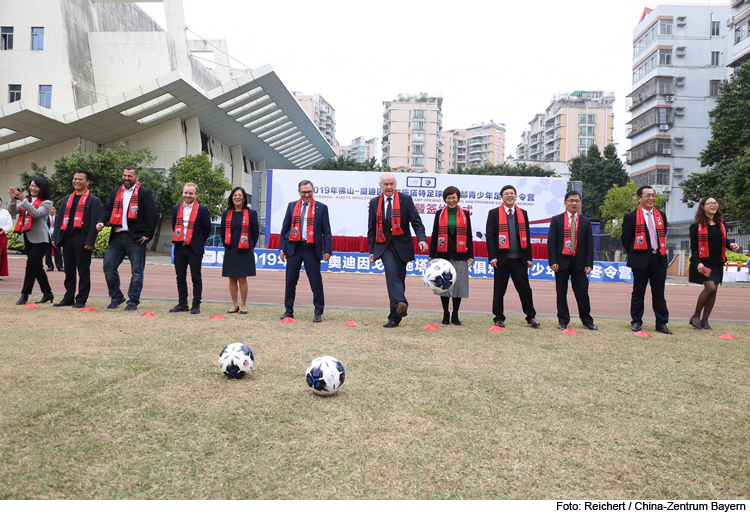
569 126
473 146
680 57
322 114
738 29
412 133
360 149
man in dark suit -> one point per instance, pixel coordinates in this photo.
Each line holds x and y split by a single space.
509 252
644 238
305 237
389 239
132 214
570 248
75 235
191 225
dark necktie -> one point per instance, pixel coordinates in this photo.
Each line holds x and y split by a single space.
303 223
573 234
510 213
388 210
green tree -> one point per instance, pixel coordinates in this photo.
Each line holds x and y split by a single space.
727 154
619 201
598 174
522 169
212 185
340 163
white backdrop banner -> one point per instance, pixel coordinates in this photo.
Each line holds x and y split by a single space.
347 195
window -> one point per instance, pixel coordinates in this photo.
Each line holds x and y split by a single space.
582 152
14 92
740 32
715 58
585 142
715 28
45 95
418 137
418 125
418 149
37 38
715 86
417 161
419 114
665 57
586 131
665 27
6 38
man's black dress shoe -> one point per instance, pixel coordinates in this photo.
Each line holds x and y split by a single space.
635 327
195 310
534 323
131 307
499 323
591 326
318 318
401 308
286 314
180 308
63 303
663 329
79 305
114 305
562 327
391 324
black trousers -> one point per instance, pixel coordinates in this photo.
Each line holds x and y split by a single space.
77 260
304 253
516 268
656 274
34 268
184 256
395 280
58 257
580 284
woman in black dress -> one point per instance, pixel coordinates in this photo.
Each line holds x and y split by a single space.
239 235
708 245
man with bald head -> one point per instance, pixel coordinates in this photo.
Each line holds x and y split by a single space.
389 239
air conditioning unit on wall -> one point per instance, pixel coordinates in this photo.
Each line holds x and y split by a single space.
670 98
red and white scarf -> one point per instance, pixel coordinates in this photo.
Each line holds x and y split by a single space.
568 248
78 217
180 233
703 241
503 241
24 219
395 219
115 218
244 242
641 232
296 233
461 231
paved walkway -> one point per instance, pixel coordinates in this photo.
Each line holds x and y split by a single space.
357 291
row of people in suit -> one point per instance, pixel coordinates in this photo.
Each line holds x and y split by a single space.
306 239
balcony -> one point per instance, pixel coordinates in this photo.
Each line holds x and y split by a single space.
650 89
653 147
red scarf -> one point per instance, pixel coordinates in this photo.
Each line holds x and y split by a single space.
461 231
395 219
78 217
641 233
116 218
24 219
244 234
703 241
568 248
296 233
523 230
179 225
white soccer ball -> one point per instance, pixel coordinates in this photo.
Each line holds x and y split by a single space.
325 375
236 360
439 275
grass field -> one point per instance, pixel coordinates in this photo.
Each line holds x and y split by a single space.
114 405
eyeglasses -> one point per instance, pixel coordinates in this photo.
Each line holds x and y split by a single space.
306 192
573 201
648 195
711 203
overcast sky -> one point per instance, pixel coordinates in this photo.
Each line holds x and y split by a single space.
498 61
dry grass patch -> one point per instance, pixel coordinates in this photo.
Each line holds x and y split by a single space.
114 405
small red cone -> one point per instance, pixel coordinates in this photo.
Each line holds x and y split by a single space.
497 329
148 314
288 320
216 317
350 323
87 309
31 305
642 333
728 336
430 327
570 331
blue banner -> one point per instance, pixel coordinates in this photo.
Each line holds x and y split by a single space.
360 263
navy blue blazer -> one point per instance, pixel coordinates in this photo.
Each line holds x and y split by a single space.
86 235
639 259
321 230
403 244
201 229
493 240
584 257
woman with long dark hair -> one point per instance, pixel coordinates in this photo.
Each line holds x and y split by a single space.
708 246
452 240
239 234
32 229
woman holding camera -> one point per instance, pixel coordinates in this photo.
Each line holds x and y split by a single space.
32 229
452 240
708 253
